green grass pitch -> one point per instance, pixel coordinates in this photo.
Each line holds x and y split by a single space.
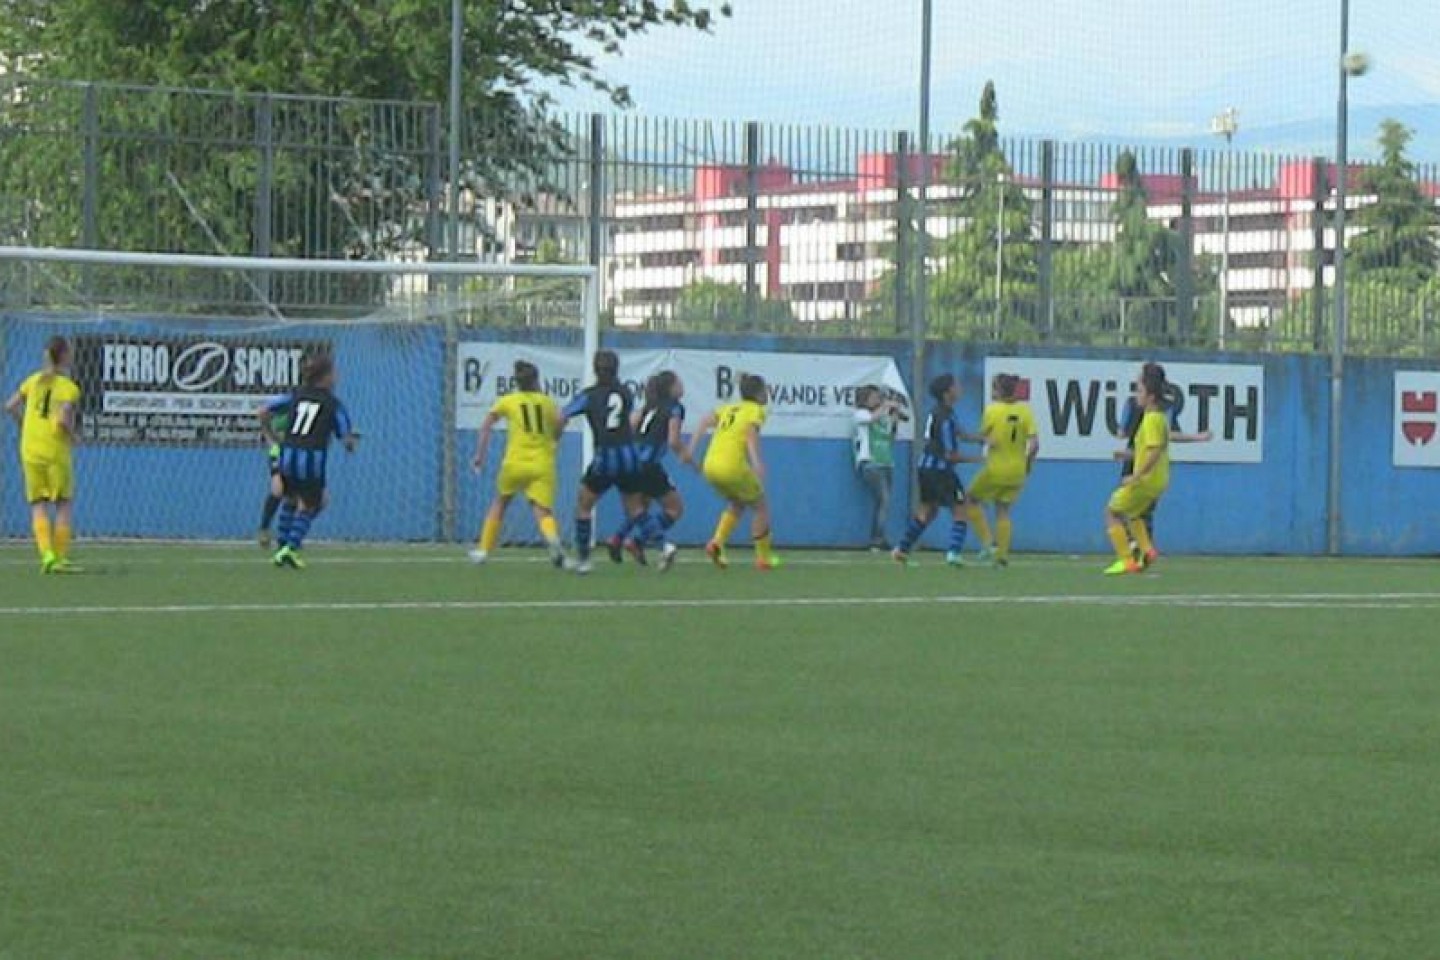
397 755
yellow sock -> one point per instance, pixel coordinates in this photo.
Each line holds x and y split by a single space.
980 524
62 540
489 534
1120 541
549 529
44 539
1141 535
764 549
724 528
1004 536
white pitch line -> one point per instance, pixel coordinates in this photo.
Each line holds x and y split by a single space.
1397 601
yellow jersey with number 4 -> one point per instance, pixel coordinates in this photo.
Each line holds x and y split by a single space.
1008 429
530 419
42 433
728 452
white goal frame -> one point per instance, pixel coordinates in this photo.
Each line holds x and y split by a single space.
587 274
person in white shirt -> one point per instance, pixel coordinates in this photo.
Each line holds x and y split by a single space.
877 419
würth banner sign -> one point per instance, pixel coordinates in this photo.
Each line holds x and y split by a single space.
1079 406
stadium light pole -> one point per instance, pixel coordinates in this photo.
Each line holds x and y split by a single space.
1226 125
999 248
919 310
1339 334
457 47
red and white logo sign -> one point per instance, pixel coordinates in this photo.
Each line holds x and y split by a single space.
1417 419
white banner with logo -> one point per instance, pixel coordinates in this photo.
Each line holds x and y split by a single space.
1078 405
812 395
192 390
1417 419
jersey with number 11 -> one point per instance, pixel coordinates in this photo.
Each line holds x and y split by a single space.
530 419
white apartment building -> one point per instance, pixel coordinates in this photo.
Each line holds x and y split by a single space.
823 247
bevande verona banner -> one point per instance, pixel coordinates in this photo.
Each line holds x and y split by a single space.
812 395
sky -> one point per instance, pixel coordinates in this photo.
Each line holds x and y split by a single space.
1068 69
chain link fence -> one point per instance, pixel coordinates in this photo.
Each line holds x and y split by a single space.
720 226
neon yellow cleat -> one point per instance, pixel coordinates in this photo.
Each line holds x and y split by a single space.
48 562
1122 568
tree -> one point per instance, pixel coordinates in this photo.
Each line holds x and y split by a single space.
515 50
1393 280
710 305
1398 245
995 237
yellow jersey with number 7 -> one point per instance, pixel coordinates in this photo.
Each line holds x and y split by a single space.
42 433
1008 428
530 419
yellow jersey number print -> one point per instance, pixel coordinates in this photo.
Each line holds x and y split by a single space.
42 434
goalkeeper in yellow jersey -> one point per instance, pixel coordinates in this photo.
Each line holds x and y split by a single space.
734 468
1012 443
45 407
533 423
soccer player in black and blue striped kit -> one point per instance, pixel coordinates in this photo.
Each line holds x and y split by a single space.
606 406
657 431
940 486
316 416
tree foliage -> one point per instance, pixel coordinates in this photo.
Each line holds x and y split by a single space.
514 52
711 305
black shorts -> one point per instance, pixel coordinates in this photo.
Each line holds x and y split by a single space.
310 492
654 482
600 482
941 488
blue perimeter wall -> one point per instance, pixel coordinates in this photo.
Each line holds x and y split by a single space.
1274 507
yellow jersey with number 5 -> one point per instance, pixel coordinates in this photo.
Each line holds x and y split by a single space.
1008 428
530 419
728 451
42 433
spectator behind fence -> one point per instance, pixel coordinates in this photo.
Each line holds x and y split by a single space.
876 421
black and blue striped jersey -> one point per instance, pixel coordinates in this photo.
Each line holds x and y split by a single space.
316 418
942 439
654 437
607 410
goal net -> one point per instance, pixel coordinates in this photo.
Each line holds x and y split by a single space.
175 355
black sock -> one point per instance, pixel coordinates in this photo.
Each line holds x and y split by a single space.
267 516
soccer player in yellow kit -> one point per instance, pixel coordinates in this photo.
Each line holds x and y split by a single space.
1140 491
45 407
734 468
1011 444
534 426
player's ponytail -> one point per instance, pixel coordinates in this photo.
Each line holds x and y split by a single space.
527 376
607 368
752 387
318 367
941 385
57 352
1152 378
659 388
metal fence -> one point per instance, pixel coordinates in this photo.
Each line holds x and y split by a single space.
719 225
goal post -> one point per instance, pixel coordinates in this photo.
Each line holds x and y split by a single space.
175 352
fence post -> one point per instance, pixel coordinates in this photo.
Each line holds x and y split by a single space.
597 197
1047 236
903 252
434 237
90 190
1185 281
262 243
1319 189
752 222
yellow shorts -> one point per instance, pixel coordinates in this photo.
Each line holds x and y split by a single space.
535 480
49 481
1131 502
989 487
738 485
